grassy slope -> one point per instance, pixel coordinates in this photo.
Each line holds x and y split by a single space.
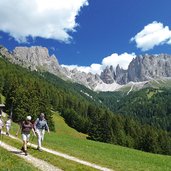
60 162
67 140
161 83
8 162
116 157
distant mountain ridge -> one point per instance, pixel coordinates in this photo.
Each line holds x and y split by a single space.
143 68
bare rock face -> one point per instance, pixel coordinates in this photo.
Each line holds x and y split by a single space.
141 68
108 75
156 66
36 58
88 79
121 75
134 69
148 67
5 53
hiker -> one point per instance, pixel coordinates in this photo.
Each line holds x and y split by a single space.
8 125
40 126
1 123
26 127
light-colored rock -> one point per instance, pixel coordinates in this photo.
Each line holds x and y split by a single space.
142 68
148 67
108 75
36 58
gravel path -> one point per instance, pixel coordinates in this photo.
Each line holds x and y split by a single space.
40 164
66 156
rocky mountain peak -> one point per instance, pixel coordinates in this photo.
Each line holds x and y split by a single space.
35 57
142 68
148 67
108 75
121 75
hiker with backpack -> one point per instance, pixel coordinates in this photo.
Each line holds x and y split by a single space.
40 126
26 127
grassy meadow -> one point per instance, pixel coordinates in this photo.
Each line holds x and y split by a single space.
69 141
10 162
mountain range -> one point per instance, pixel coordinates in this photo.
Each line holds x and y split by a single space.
141 71
141 114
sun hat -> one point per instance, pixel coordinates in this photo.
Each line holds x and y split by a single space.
28 118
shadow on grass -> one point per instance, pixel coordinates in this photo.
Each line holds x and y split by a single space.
18 152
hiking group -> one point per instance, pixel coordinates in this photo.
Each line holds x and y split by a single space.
38 128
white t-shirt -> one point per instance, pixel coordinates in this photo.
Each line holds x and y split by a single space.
8 123
1 124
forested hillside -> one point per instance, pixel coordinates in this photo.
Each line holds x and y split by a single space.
33 92
150 106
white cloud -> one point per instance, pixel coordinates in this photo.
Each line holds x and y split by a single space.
93 68
123 60
153 34
40 18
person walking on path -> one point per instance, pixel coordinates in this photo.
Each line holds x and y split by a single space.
40 126
26 127
8 125
1 125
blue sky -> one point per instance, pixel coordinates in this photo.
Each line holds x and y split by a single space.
82 32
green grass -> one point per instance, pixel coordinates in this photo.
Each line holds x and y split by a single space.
118 158
8 162
150 94
166 83
115 157
125 88
59 162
